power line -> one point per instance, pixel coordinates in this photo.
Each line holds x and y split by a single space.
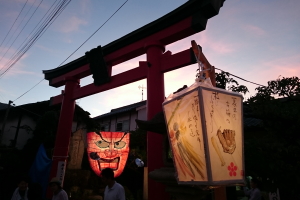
240 78
23 49
14 23
22 27
50 19
94 32
28 90
76 49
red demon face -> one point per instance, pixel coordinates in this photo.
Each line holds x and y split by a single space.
108 149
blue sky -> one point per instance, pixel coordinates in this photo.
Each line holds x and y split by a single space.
257 40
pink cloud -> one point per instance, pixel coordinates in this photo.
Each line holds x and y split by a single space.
16 69
72 24
208 44
254 30
286 66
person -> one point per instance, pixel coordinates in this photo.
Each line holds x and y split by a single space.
21 191
113 190
35 192
58 192
254 192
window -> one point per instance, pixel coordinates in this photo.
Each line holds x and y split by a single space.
122 125
104 127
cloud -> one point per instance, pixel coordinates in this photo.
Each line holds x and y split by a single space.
72 24
16 69
254 30
285 66
219 47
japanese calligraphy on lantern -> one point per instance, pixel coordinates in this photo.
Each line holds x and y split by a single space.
186 138
204 126
223 116
108 149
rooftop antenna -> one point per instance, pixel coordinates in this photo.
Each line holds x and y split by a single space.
142 87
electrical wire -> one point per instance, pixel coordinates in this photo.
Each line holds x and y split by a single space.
76 49
28 90
241 78
34 29
50 19
22 49
13 23
53 15
94 32
19 31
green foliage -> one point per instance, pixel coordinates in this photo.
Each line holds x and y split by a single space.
224 80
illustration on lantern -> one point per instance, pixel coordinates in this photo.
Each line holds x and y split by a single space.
227 139
184 127
204 126
223 116
108 149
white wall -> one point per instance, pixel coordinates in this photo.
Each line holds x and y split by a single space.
140 113
10 131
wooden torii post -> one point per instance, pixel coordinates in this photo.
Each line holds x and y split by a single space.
151 39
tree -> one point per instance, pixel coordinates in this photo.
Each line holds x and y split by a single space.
275 155
224 80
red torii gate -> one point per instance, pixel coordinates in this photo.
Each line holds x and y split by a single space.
151 39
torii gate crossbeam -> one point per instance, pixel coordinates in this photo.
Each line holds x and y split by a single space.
151 40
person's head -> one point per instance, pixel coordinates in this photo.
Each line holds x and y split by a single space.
107 175
55 184
23 183
254 183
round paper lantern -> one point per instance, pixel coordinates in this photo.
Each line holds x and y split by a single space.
108 150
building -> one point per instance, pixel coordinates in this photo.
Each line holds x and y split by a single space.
123 118
22 120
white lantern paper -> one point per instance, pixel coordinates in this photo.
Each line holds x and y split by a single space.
206 135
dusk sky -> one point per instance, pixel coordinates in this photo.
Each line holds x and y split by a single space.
258 40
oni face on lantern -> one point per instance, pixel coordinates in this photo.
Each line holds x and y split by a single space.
108 149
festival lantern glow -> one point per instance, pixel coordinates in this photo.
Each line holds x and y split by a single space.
108 149
205 132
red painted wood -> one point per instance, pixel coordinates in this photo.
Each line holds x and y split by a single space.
77 73
64 129
168 62
116 81
169 35
171 62
155 98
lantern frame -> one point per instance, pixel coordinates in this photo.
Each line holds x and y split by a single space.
200 87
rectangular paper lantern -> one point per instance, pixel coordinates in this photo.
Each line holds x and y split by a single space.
205 130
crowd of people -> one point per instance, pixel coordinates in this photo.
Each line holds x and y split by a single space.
113 190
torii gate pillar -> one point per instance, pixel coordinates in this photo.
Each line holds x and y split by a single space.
61 147
155 98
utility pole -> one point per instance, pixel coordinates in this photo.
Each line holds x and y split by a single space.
142 87
4 121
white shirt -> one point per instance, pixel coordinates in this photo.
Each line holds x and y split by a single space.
116 192
253 193
61 195
16 195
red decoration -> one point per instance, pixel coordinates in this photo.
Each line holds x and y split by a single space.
232 169
108 149
242 172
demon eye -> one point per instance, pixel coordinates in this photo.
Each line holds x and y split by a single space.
120 144
102 144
